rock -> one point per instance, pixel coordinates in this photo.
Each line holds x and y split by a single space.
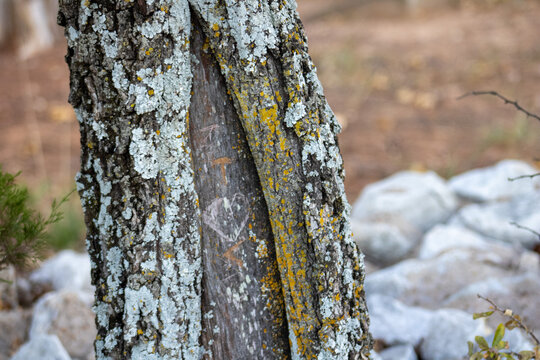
66 270
8 290
428 282
443 238
67 315
395 323
530 261
383 243
43 347
400 352
419 199
28 292
375 356
494 221
448 333
491 183
519 293
14 325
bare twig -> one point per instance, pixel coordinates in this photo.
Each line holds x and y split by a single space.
506 101
525 228
516 319
524 177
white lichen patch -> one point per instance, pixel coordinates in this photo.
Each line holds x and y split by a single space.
144 153
141 302
342 342
119 77
101 310
110 341
85 11
99 130
72 35
114 259
108 39
249 25
295 112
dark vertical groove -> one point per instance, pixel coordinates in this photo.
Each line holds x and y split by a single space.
242 295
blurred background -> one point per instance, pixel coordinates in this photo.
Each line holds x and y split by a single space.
392 71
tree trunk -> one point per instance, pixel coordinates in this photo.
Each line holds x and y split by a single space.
221 232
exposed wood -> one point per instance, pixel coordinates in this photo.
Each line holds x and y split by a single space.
243 309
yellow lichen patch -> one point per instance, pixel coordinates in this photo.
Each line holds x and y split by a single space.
140 332
269 117
215 27
158 132
271 183
151 92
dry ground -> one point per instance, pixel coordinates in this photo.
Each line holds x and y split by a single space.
392 78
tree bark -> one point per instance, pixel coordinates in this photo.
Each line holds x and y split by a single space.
212 183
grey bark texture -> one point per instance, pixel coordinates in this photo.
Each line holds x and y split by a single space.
212 184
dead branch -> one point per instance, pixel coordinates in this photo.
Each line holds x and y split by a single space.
506 101
524 177
525 228
516 319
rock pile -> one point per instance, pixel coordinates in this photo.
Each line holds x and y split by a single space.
53 318
431 245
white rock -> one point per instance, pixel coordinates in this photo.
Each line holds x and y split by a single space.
400 352
442 238
494 220
43 347
66 270
383 243
420 199
448 333
395 323
375 356
428 282
519 293
491 183
14 329
529 261
67 315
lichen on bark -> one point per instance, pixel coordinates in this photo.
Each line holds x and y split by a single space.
130 86
292 134
140 186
